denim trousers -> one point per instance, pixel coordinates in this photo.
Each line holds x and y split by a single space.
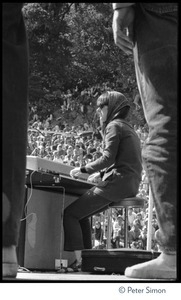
15 86
155 58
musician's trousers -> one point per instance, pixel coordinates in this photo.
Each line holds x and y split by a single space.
77 229
156 69
15 85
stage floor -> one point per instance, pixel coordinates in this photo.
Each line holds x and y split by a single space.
37 276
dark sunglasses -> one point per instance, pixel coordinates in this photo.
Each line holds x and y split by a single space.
101 105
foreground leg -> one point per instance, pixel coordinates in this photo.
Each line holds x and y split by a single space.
9 258
15 84
156 71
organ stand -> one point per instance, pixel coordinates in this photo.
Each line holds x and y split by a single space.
48 183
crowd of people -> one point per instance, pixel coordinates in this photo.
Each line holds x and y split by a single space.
77 146
73 145
137 228
67 146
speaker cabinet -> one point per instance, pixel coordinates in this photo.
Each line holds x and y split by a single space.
40 234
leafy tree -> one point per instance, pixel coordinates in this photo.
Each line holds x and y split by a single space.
49 47
71 45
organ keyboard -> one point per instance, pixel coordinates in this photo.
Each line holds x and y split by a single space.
36 163
50 175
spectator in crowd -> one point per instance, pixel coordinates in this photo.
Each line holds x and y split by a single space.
140 221
68 158
116 226
88 157
118 232
77 152
119 240
131 217
42 151
143 237
57 157
98 235
60 150
134 232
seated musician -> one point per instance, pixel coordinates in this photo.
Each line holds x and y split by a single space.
117 173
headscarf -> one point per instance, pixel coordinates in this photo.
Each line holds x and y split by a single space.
116 101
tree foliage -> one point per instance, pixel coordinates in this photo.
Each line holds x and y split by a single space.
71 45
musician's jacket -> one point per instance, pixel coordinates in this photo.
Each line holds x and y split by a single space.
121 162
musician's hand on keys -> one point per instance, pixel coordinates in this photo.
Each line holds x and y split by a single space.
94 178
74 173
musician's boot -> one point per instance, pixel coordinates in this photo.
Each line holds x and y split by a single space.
163 267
